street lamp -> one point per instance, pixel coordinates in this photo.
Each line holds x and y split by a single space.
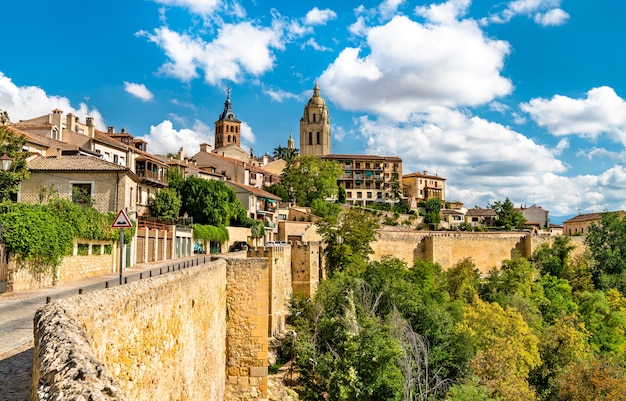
6 162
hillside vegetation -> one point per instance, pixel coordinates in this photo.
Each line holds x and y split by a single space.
550 327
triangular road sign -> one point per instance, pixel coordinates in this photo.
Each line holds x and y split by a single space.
122 220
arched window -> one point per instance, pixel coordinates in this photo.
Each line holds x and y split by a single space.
313 117
318 137
232 129
310 138
237 129
228 138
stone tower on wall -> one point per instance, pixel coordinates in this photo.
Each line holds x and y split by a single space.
227 127
315 126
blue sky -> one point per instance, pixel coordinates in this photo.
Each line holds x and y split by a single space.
521 99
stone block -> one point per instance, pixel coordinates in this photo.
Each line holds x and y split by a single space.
258 371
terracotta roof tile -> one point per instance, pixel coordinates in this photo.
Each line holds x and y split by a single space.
73 163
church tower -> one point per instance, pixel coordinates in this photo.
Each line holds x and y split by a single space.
315 126
227 127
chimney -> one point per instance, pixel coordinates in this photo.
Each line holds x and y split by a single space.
111 130
71 122
425 172
90 121
59 153
181 154
205 147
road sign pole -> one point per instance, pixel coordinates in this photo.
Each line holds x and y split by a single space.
122 247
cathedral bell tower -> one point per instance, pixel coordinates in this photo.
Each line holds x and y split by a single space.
315 126
227 127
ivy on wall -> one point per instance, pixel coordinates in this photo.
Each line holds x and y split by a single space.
203 232
44 233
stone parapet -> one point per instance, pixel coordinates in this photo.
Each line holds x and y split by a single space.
158 338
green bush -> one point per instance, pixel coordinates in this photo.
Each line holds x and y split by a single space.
203 232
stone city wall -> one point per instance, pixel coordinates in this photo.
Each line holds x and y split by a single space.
247 328
487 249
279 259
159 338
305 268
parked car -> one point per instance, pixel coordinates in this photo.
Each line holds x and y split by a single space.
276 243
238 246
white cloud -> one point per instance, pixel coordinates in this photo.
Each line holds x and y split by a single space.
544 12
247 136
602 111
389 8
164 138
138 90
410 67
319 17
483 161
447 12
554 17
312 43
238 49
280 95
26 102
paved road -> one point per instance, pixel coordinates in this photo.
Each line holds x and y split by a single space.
17 311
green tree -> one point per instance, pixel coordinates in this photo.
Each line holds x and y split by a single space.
563 343
507 216
344 351
285 154
12 145
606 242
166 203
279 190
322 208
605 320
552 259
595 379
396 188
212 202
309 177
341 195
507 350
257 230
463 280
347 238
432 208
469 390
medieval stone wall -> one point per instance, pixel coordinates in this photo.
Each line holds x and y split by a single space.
247 328
305 268
279 259
487 250
158 338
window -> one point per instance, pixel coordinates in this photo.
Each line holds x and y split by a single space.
318 137
81 193
310 138
349 194
369 195
359 194
116 159
313 117
138 194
